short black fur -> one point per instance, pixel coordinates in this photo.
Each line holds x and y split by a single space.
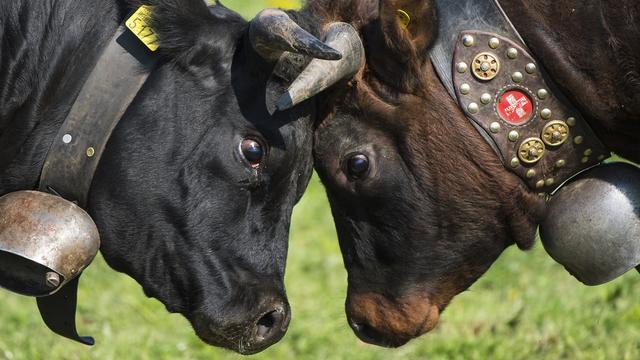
177 206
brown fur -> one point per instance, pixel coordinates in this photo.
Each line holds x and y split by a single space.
437 206
397 320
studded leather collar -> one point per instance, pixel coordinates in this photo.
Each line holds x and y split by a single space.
511 100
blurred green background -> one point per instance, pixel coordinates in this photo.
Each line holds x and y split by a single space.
526 307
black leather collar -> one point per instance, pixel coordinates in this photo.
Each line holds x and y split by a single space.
114 82
71 162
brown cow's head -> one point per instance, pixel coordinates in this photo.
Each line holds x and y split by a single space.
422 204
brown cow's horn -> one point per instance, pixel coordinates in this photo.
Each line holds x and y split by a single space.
321 74
272 32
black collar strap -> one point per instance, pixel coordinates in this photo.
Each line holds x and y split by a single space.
72 160
485 65
114 82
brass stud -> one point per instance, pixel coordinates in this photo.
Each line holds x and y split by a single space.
588 152
531 150
540 184
530 68
512 53
465 89
468 40
485 66
585 159
515 162
542 94
473 108
531 173
545 114
550 181
517 77
90 152
560 163
571 121
495 127
578 140
513 136
555 133
494 43
485 98
462 67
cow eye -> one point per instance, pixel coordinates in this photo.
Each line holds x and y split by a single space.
252 151
357 166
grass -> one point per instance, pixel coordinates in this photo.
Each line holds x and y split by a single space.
526 307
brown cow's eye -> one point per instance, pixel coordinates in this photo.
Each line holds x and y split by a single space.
357 166
252 151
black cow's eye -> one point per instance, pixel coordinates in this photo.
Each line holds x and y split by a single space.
357 166
252 151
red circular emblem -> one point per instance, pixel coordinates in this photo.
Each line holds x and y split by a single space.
515 107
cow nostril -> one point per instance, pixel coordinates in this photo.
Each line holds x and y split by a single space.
265 324
369 334
271 325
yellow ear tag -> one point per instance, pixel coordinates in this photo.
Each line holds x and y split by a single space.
405 18
138 23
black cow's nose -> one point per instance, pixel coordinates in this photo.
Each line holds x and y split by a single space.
255 332
271 327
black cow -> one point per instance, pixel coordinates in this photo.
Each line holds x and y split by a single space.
194 194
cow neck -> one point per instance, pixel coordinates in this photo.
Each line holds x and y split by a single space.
71 162
509 98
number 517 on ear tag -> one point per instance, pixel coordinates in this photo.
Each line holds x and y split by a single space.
138 23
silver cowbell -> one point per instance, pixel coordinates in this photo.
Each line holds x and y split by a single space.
593 224
45 242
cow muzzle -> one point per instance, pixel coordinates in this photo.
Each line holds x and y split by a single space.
390 322
593 223
250 334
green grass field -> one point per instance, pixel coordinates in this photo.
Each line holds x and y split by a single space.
526 307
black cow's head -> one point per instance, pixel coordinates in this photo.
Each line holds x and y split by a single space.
422 205
194 194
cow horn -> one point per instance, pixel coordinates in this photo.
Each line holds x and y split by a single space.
321 74
273 32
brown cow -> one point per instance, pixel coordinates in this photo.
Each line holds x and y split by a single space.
422 204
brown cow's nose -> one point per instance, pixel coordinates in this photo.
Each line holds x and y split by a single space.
388 321
369 334
270 327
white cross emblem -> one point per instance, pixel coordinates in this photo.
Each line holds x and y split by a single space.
516 106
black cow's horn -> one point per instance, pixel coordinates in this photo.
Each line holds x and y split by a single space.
321 74
272 32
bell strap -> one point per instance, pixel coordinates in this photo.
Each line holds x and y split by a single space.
59 311
71 162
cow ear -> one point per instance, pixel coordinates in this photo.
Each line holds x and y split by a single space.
397 42
409 26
